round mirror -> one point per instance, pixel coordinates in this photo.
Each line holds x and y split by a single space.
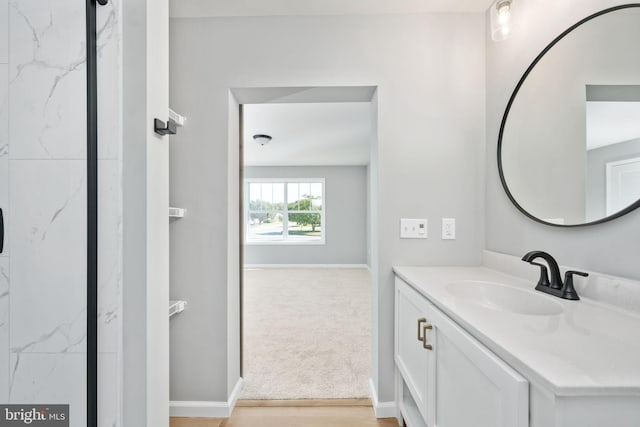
569 143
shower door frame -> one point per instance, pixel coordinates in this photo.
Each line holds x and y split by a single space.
92 212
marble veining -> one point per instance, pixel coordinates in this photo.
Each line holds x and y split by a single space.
4 110
68 337
61 378
108 385
4 146
43 195
109 78
109 255
4 329
4 201
48 76
47 79
4 23
51 378
48 255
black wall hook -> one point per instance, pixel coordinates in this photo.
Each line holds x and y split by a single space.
161 128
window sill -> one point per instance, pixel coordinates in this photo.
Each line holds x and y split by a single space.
285 243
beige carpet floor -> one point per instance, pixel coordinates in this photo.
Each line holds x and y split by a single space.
307 333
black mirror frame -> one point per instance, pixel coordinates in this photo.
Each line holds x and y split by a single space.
510 103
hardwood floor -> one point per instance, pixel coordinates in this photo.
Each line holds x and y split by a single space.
305 402
196 422
313 414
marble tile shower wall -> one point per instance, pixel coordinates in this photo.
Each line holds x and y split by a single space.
43 195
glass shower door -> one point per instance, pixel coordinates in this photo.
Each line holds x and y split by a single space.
48 189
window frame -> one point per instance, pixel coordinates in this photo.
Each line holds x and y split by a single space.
285 221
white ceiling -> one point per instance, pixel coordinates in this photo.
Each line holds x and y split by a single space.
308 134
211 8
612 122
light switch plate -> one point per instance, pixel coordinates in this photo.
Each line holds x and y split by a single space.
413 228
448 228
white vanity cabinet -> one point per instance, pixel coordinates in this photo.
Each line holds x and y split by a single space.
414 359
447 378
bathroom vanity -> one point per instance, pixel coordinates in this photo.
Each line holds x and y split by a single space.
477 347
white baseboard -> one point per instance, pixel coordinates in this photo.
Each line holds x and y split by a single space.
381 409
206 409
306 266
235 394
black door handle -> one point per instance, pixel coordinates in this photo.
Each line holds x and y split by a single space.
1 231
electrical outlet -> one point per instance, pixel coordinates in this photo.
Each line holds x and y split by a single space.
448 228
413 228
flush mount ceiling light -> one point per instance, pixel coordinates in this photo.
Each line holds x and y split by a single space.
261 139
500 17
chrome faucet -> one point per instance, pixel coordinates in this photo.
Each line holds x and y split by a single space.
554 287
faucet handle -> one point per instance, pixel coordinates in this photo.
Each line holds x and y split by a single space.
544 277
572 272
568 291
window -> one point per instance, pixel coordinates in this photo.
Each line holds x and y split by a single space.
285 211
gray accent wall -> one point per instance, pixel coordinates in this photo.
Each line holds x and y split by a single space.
346 218
609 248
597 160
429 158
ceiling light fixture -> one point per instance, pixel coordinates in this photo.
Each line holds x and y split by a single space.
262 139
500 20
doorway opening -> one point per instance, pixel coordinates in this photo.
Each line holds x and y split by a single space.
306 243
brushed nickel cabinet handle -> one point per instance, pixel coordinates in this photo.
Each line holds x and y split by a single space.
420 322
424 336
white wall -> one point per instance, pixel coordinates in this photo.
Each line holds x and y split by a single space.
597 160
346 218
145 219
374 242
157 222
429 70
535 24
233 253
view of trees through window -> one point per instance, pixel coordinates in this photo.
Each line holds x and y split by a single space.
285 211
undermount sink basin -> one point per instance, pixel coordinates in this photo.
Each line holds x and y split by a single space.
500 297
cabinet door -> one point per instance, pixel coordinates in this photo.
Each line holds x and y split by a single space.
415 362
473 386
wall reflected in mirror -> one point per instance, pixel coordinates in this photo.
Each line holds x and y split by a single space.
570 150
613 147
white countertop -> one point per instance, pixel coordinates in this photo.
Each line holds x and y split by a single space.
588 349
